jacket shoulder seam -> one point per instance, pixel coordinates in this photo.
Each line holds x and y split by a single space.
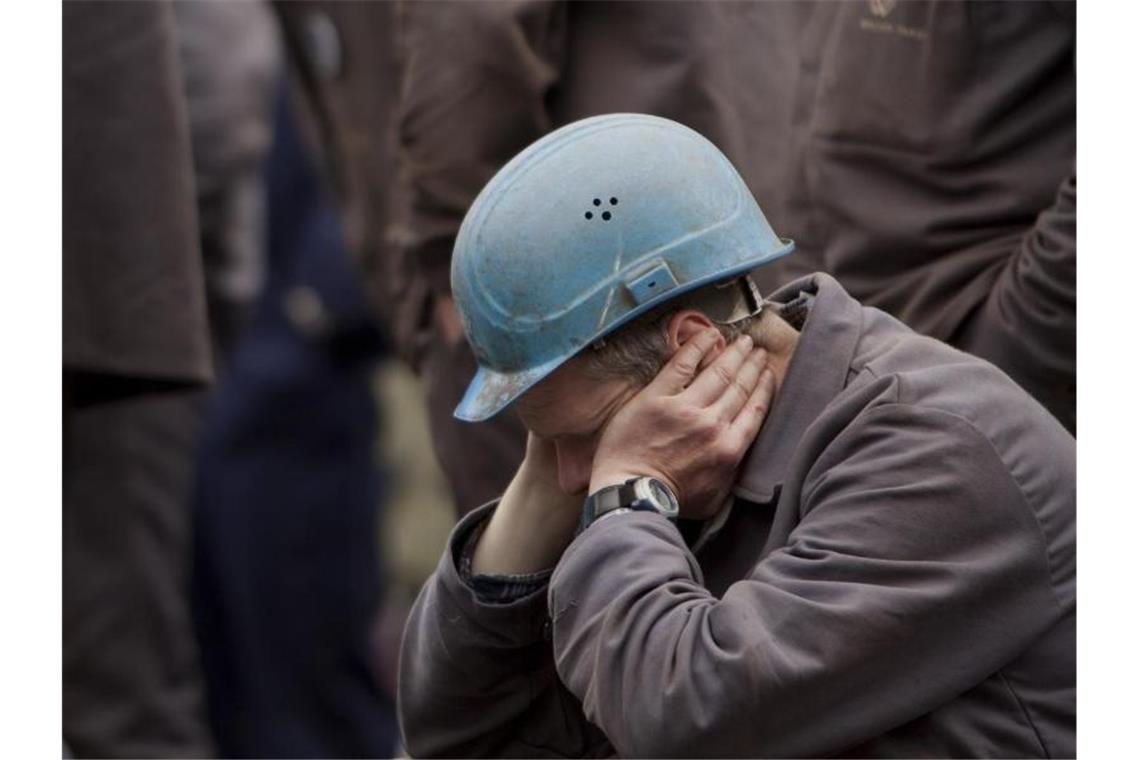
1024 712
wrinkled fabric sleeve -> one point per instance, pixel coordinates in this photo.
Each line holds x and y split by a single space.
477 677
474 77
916 571
1028 323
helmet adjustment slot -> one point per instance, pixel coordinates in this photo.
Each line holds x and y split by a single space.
651 284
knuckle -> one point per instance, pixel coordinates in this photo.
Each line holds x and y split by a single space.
718 429
726 453
685 365
722 374
690 416
708 430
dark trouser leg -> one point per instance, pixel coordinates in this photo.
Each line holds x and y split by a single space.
131 684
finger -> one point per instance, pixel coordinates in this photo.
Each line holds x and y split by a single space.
747 423
728 406
719 376
678 372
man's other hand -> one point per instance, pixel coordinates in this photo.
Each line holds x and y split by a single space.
534 521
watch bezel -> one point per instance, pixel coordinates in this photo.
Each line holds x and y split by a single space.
641 494
665 502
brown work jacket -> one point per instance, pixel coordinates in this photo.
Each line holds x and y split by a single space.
134 305
928 164
896 577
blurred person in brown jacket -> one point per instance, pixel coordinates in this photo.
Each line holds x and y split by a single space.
922 153
928 163
136 354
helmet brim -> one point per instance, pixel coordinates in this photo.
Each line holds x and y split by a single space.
490 391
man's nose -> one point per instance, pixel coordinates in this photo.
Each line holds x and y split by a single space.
575 463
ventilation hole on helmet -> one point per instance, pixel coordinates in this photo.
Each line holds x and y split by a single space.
606 215
613 201
589 214
597 201
652 283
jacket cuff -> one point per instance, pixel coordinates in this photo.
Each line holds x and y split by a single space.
512 605
499 588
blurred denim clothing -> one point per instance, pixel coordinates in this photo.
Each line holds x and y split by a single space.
135 358
231 62
287 573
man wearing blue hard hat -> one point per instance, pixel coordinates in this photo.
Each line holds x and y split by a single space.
744 525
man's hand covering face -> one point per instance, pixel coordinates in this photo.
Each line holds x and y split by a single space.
690 430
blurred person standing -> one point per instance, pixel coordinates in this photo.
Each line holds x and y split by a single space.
136 354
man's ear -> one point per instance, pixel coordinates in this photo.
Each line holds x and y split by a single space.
686 323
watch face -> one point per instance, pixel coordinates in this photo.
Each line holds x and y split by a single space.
663 497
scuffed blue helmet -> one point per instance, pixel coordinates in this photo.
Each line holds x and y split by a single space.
587 228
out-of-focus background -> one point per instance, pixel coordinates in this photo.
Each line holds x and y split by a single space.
260 350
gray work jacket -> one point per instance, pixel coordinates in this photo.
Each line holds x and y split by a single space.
895 578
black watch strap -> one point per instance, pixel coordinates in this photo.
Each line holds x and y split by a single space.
624 496
614 497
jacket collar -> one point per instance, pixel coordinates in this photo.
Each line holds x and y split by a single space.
816 374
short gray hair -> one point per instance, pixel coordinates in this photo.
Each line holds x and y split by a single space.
638 350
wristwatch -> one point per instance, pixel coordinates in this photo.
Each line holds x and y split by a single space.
634 495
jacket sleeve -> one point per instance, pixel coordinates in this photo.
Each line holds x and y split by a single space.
1028 323
477 679
474 77
916 571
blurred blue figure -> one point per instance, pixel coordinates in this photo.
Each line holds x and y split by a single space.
287 574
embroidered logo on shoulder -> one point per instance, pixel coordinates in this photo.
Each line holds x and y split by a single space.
878 23
882 8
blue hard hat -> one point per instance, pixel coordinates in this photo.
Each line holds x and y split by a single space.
592 225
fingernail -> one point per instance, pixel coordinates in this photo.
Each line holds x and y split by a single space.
744 340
